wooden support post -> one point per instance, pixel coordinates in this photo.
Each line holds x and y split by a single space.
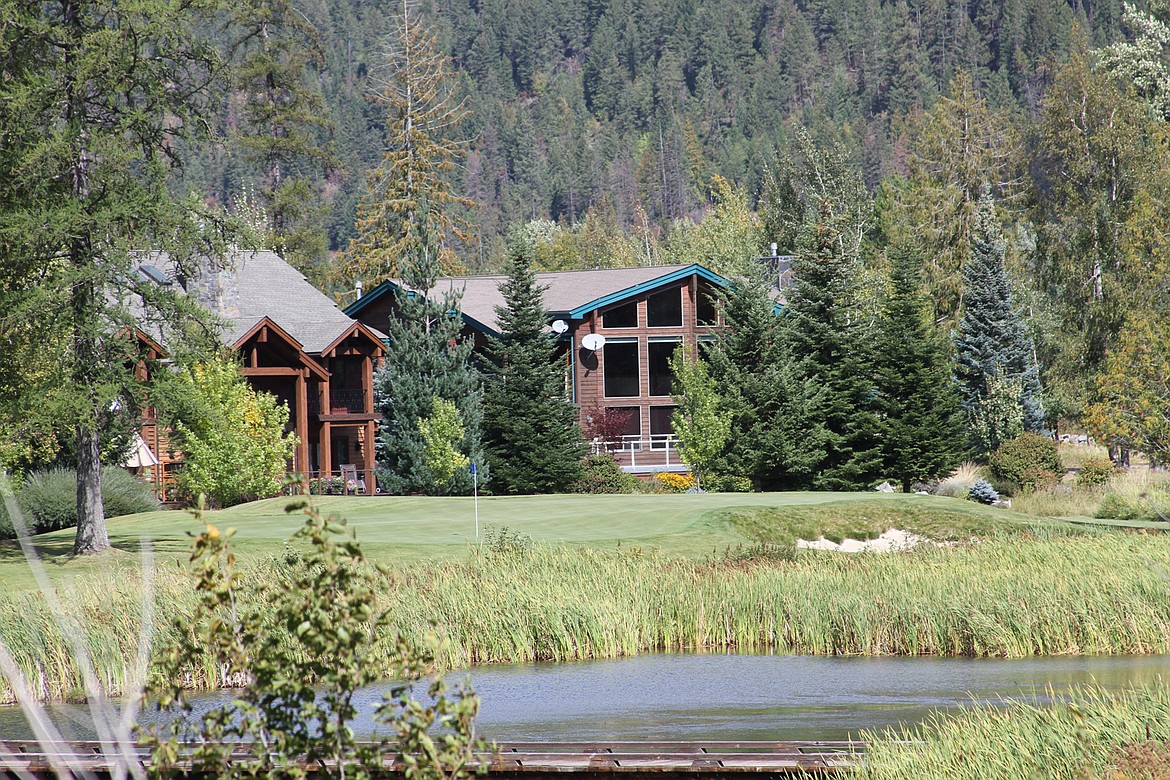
368 455
301 462
368 383
326 449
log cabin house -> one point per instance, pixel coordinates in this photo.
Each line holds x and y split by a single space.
297 345
620 383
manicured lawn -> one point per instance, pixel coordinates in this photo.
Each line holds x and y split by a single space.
412 529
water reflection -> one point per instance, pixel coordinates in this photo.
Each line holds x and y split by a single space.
691 696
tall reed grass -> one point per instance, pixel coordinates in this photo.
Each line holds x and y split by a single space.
1100 594
1070 741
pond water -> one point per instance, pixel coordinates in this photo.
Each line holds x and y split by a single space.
698 696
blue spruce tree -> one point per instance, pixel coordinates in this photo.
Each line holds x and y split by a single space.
427 359
994 352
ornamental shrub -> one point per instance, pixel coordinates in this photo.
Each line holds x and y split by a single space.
49 498
1096 471
1026 462
676 483
983 492
727 483
603 474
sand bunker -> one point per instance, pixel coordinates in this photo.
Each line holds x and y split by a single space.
891 540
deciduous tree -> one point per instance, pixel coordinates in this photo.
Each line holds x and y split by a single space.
233 441
701 423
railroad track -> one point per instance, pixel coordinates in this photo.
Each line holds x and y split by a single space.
529 760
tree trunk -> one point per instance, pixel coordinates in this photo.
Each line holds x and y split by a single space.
91 517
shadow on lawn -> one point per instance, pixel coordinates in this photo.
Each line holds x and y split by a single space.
58 551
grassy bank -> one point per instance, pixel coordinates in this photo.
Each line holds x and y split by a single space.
406 530
518 601
1087 737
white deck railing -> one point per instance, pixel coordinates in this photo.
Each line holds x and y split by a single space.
656 453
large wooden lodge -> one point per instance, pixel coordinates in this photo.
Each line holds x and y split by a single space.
615 329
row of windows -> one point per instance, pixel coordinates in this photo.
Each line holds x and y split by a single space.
660 425
663 310
623 368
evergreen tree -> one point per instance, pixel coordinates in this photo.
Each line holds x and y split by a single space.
834 353
532 438
420 154
992 340
773 439
282 116
427 360
98 100
923 430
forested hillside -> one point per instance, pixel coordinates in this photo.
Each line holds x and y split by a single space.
623 111
614 132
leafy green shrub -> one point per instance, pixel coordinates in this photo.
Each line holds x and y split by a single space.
6 529
1147 508
1095 471
983 492
49 498
603 474
727 483
507 544
125 494
1026 462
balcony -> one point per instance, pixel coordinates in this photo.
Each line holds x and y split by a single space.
341 401
637 455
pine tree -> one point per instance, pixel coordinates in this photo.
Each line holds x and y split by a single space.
428 360
420 154
992 340
281 120
98 100
834 353
773 439
532 438
923 429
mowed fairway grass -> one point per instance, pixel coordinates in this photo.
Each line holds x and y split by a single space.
407 530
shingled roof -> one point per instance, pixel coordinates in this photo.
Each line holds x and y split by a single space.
567 293
270 287
253 285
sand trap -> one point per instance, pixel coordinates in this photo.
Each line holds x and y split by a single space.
891 540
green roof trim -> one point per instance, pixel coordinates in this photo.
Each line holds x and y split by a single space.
682 273
369 298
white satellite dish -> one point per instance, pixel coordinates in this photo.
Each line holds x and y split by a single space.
593 342
560 326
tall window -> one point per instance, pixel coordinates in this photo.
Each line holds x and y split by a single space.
705 313
624 316
658 366
621 369
664 309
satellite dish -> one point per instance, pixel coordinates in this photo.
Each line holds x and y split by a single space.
593 342
560 326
